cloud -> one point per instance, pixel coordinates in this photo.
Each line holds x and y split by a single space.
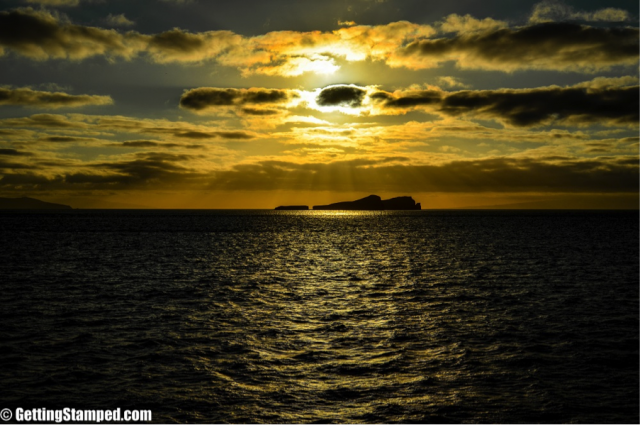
11 180
40 35
603 101
291 53
260 112
408 99
42 120
448 81
186 132
206 98
137 144
181 46
501 174
551 11
145 170
341 95
470 43
600 101
483 175
469 24
236 135
117 123
118 20
66 139
551 46
132 169
50 100
144 144
14 152
80 128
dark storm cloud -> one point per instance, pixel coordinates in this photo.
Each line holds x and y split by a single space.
552 45
341 95
418 98
259 112
210 97
234 135
43 99
40 35
202 98
178 45
521 108
486 175
14 152
581 104
194 134
176 40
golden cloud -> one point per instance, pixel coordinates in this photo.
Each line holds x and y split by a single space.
50 100
500 174
470 43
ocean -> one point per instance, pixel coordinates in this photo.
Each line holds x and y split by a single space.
255 316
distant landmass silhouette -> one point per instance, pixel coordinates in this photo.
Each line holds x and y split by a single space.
292 207
25 203
370 203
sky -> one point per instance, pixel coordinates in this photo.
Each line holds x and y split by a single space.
255 104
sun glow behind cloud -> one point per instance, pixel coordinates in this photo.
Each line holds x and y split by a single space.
386 104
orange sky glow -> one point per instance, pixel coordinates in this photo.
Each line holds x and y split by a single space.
532 105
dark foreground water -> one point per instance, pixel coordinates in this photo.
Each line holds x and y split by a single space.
264 316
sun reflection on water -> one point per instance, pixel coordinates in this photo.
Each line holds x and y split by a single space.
327 316
330 316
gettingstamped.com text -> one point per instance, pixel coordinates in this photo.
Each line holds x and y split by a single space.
69 414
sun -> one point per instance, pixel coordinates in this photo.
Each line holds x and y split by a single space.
316 64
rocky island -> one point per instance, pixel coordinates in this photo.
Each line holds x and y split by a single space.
25 203
370 203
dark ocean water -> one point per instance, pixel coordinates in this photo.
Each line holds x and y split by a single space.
264 316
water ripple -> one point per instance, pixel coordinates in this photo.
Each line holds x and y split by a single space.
250 317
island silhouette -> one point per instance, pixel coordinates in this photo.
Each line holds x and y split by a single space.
369 203
25 203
